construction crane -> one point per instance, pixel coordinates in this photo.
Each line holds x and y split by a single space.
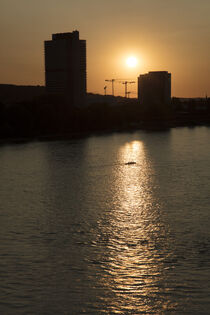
105 90
126 85
112 81
129 92
123 81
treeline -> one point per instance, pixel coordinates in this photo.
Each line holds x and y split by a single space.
50 116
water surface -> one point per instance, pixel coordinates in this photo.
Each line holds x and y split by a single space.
82 232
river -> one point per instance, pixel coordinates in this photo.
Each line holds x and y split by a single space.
82 232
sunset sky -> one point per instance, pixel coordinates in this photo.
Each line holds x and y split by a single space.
172 35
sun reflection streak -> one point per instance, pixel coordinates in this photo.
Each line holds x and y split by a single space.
134 178
136 242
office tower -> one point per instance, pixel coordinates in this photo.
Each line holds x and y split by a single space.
65 67
154 88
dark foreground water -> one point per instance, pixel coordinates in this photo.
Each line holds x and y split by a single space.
81 232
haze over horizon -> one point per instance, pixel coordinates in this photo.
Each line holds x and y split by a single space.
162 35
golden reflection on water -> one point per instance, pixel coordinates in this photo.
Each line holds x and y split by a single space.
136 237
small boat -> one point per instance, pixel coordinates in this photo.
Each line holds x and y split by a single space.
130 163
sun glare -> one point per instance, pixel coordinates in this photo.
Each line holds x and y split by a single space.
131 62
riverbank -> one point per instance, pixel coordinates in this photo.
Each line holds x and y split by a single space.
147 126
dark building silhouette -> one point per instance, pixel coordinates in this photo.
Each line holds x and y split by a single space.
65 67
11 93
154 88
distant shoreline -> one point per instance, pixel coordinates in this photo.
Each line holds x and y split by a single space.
28 114
144 126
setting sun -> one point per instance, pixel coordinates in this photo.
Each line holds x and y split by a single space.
131 62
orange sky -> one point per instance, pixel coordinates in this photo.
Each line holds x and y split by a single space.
164 35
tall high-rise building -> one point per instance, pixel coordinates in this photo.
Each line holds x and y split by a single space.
154 88
65 67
